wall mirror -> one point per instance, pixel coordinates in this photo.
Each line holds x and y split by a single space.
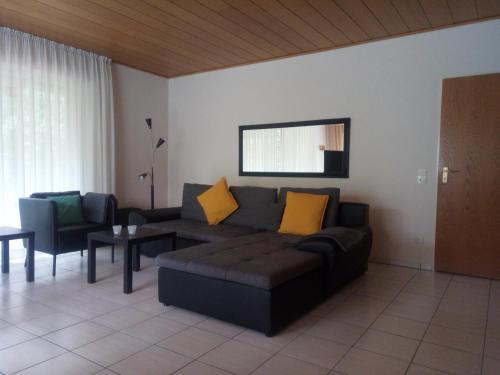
318 148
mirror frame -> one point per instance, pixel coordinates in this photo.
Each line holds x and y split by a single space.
344 173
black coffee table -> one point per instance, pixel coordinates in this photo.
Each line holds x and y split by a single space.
131 250
7 234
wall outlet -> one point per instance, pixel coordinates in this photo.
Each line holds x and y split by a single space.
422 176
419 240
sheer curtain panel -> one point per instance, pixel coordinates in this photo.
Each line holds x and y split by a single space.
56 120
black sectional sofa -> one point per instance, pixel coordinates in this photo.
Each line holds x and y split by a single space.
243 271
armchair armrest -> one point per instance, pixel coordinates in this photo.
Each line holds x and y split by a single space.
154 216
353 214
40 216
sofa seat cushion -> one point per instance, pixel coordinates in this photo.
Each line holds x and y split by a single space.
201 231
263 260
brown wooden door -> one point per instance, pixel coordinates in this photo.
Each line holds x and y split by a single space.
468 207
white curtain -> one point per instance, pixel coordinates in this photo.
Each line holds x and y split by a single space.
294 149
56 120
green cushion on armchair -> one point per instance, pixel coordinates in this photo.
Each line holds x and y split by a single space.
69 209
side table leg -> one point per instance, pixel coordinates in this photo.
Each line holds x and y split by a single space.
30 259
137 258
91 262
5 256
127 267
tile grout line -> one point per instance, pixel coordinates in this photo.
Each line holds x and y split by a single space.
486 326
353 292
428 325
297 336
377 317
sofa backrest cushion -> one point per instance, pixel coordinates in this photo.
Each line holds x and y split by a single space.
191 208
251 201
332 207
269 217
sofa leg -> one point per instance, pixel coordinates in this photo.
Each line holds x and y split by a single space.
81 252
112 253
54 265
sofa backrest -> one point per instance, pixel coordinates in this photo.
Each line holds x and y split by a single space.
191 208
54 194
332 208
250 201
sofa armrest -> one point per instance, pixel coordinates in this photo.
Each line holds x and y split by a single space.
40 216
154 216
353 214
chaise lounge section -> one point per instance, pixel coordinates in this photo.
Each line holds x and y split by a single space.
243 271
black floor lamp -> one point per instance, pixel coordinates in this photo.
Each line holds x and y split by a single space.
151 174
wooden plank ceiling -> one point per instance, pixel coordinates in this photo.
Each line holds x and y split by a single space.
178 37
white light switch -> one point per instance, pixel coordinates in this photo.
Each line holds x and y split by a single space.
422 176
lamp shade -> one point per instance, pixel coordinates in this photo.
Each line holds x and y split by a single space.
160 142
149 122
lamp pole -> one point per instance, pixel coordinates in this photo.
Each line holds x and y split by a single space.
151 174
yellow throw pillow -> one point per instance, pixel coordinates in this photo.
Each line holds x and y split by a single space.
217 202
303 213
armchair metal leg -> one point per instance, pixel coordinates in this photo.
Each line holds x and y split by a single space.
112 253
54 265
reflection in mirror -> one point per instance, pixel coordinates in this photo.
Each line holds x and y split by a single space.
307 148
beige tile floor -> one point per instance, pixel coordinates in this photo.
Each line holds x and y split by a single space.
393 320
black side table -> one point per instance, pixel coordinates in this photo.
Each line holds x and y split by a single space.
131 258
7 234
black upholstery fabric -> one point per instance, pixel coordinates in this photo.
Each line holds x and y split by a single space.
199 231
95 207
331 213
191 208
263 260
250 199
154 216
354 214
74 237
269 217
259 309
39 215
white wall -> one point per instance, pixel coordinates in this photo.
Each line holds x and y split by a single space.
391 90
137 96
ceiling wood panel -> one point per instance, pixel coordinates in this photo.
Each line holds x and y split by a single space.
364 17
309 14
388 15
127 26
277 10
338 17
488 8
437 11
178 37
229 26
412 13
230 13
463 10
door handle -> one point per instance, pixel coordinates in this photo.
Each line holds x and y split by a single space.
447 170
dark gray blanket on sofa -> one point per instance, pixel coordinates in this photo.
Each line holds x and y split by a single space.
327 241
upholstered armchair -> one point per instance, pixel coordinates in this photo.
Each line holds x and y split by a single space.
39 214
